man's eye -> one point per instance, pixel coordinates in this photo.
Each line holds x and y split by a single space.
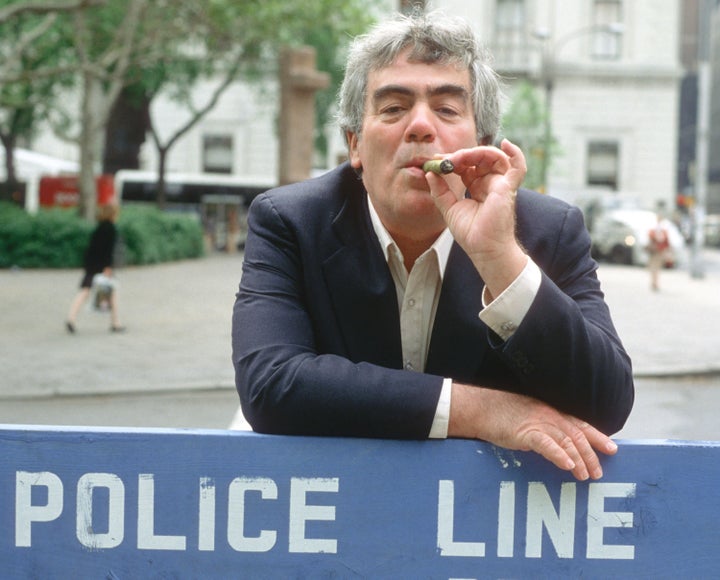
447 111
391 110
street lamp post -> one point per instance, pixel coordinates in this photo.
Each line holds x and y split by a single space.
550 50
697 267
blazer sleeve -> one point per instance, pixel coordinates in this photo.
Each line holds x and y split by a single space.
285 385
566 351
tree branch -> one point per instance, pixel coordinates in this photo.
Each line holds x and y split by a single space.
45 7
198 114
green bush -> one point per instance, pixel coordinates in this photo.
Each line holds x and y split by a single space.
57 238
150 236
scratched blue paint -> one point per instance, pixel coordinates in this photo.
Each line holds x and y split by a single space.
218 504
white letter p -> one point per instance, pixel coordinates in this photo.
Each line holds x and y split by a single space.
25 512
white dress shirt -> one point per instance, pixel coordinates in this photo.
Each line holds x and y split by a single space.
418 292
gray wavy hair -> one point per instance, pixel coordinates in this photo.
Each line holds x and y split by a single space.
433 38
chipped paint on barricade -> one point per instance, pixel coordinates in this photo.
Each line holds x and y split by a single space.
506 457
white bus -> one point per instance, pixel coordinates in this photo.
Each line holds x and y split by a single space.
189 189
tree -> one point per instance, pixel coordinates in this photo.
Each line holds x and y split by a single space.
168 45
240 40
330 40
12 9
31 72
114 43
22 103
213 47
524 124
106 41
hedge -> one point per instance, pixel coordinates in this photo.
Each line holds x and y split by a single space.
57 238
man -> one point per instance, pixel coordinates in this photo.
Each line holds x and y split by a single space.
383 301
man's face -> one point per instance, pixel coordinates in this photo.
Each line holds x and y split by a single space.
412 112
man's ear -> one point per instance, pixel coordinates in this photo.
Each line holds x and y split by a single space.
353 153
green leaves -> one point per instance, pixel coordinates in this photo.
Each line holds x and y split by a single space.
524 123
57 238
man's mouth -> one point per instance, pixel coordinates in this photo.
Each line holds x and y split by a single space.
417 162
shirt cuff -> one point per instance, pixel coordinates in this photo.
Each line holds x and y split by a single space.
439 429
504 314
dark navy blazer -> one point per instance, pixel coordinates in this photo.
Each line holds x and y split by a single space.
316 327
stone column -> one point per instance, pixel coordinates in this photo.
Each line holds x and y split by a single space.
299 80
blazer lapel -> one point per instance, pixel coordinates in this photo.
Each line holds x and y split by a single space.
458 344
362 290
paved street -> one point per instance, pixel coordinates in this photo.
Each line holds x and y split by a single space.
675 408
172 368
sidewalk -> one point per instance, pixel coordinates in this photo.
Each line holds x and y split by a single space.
673 332
178 320
178 331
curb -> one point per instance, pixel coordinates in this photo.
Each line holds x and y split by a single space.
678 373
138 392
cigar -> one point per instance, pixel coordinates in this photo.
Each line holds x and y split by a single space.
443 166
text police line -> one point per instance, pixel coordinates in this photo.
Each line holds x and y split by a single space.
542 515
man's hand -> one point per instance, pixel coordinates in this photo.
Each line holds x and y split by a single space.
518 422
484 223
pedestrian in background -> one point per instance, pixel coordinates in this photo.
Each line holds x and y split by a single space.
658 247
99 260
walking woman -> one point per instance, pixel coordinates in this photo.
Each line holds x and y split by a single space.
98 260
658 247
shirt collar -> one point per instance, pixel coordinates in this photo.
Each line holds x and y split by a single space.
441 246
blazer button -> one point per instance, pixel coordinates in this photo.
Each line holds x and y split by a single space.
522 363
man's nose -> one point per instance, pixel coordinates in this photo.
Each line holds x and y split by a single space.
421 126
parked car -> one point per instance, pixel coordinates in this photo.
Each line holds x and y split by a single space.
621 236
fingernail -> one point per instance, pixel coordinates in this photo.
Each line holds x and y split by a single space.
611 446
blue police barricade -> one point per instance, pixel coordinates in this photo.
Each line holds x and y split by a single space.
157 503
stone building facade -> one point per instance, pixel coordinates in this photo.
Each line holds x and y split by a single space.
611 71
615 75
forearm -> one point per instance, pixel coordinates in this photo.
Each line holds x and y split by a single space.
328 395
561 349
568 354
567 351
298 369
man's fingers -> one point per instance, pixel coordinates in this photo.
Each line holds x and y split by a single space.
444 197
482 160
543 444
573 448
588 457
515 155
597 439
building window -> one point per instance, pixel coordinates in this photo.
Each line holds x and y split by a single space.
510 36
607 44
218 154
603 164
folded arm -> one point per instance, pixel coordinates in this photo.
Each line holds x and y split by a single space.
286 384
